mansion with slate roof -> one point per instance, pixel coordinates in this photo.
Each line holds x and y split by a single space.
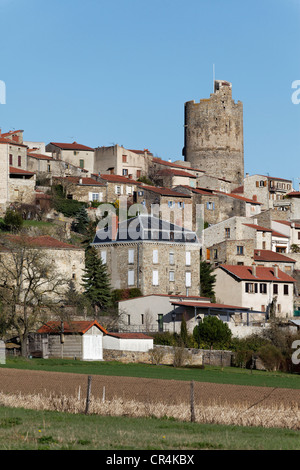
151 254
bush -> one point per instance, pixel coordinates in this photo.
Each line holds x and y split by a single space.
12 221
156 355
271 357
212 332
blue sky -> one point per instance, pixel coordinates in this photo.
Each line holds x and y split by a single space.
119 71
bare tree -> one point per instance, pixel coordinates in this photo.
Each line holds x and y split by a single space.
30 288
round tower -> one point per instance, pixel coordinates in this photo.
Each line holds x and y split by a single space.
213 135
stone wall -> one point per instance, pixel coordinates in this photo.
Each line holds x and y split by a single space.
192 356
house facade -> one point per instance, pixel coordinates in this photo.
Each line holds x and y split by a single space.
156 256
263 289
76 154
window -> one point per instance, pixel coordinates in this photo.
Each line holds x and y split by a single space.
81 164
180 205
240 250
49 168
251 287
263 288
95 197
215 254
188 279
130 256
10 159
160 321
125 172
298 235
19 160
227 232
275 288
171 204
155 278
128 189
286 289
142 318
171 276
103 256
138 173
131 277
124 158
128 319
171 258
210 206
187 258
118 189
155 256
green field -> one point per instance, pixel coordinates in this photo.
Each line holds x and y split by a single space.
226 375
24 429
44 430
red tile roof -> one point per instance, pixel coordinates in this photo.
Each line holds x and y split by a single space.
42 241
3 140
273 256
241 198
39 156
175 165
140 151
262 273
129 335
118 179
259 228
288 223
203 191
72 146
19 171
76 180
164 191
79 327
176 173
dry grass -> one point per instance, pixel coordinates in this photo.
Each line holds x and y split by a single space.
275 416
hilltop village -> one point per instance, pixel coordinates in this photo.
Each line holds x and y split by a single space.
176 216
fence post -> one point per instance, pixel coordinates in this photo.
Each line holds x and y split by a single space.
88 394
192 395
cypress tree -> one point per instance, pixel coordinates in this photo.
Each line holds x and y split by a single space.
207 280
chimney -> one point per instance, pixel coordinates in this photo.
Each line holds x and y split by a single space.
254 269
114 226
276 270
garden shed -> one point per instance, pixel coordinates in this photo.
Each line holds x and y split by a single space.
75 339
128 342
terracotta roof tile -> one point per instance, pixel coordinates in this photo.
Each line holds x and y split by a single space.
262 273
72 146
79 327
273 256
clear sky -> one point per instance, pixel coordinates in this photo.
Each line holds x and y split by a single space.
119 72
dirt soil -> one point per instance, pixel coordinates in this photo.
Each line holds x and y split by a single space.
13 381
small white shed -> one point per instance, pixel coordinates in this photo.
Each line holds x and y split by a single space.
128 342
80 339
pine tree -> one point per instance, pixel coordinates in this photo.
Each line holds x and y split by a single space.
96 281
207 280
81 222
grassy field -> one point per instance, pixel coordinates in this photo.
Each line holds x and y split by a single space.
226 375
44 430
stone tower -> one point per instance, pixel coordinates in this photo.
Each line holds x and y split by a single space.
213 136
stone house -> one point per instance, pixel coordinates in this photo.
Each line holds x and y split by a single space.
269 258
76 154
259 288
22 185
170 178
289 229
46 167
123 162
84 189
118 186
270 191
166 203
206 181
151 254
68 260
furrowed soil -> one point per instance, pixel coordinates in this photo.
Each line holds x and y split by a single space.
25 382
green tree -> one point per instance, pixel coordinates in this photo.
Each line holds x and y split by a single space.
207 280
81 222
96 282
183 333
13 220
212 332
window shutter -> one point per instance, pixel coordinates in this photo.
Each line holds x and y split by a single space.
131 277
257 184
188 258
103 256
131 256
188 280
155 278
155 256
